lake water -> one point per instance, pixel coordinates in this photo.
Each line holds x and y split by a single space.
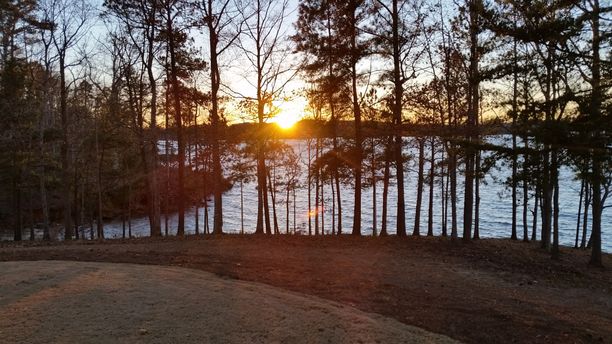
495 206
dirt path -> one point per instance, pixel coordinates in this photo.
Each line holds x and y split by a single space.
75 302
490 291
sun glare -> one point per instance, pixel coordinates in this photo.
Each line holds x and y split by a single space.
286 120
289 112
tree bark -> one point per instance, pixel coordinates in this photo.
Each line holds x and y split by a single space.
242 207
525 191
373 166
453 191
587 202
386 177
417 214
555 185
578 216
596 103
432 169
536 205
66 182
309 182
287 210
317 187
215 119
473 107
358 135
272 188
178 119
398 92
151 159
477 196
513 235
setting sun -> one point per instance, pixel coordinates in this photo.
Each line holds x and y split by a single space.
289 112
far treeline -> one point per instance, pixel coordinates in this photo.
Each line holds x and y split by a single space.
123 110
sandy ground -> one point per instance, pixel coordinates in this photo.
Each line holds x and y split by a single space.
84 302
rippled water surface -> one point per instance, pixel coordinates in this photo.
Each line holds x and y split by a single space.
495 206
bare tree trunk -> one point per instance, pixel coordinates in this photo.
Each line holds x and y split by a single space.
386 177
417 214
206 220
76 202
287 211
125 206
546 202
451 146
215 120
549 165
91 227
16 191
587 202
555 185
196 170
197 217
525 191
263 208
398 92
473 108
242 207
322 206
596 103
178 119
153 192
536 205
100 156
272 188
151 161
373 166
168 149
64 149
333 217
477 197
43 188
513 235
595 241
130 210
317 187
259 226
266 203
309 182
444 193
453 192
31 214
578 216
432 175
338 200
358 141
468 197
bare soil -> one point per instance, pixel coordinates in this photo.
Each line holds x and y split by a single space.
84 302
488 291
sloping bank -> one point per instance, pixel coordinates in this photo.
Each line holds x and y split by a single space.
77 302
